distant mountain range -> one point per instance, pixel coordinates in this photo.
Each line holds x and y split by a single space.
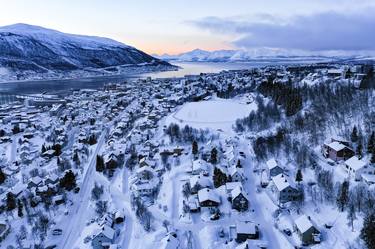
261 55
25 47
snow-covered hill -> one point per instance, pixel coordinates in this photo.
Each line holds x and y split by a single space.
31 48
260 54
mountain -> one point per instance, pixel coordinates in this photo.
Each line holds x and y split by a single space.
259 54
32 48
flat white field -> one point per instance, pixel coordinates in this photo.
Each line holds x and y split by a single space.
215 114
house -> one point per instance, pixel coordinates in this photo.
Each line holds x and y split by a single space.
51 179
273 168
34 182
236 174
229 186
144 182
253 244
199 166
356 167
170 242
208 198
307 232
337 151
4 230
368 179
197 182
284 189
103 238
239 198
246 230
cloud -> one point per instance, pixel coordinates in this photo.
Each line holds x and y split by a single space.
327 31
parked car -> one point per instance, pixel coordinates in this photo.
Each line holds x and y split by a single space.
57 231
215 216
287 231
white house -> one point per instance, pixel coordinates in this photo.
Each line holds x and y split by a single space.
284 189
356 167
273 168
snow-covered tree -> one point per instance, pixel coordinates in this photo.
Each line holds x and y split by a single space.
368 231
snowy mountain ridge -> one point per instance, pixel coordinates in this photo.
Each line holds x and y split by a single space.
259 54
28 48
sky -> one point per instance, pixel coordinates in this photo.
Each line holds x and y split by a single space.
176 26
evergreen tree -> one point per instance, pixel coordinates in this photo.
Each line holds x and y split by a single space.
43 148
368 231
238 165
16 129
359 150
68 181
76 158
371 143
194 148
372 160
351 215
219 178
213 158
20 208
2 176
343 195
99 163
299 176
57 148
354 135
11 202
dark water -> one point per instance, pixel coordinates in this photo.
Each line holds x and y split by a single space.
61 86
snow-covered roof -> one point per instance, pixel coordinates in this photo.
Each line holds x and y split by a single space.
203 181
354 163
336 146
207 194
108 232
368 178
303 223
235 170
170 242
237 191
199 165
232 185
281 182
271 163
246 227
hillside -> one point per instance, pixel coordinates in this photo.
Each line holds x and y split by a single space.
31 48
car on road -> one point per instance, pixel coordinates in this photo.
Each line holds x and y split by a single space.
51 247
57 231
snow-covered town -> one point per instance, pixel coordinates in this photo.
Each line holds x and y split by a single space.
270 157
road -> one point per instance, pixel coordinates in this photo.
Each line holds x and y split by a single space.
13 151
263 216
76 216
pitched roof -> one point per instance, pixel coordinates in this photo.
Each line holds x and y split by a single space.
355 163
336 146
271 163
207 194
237 191
281 182
303 223
246 227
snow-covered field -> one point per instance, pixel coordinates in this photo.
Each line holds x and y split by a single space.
216 113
